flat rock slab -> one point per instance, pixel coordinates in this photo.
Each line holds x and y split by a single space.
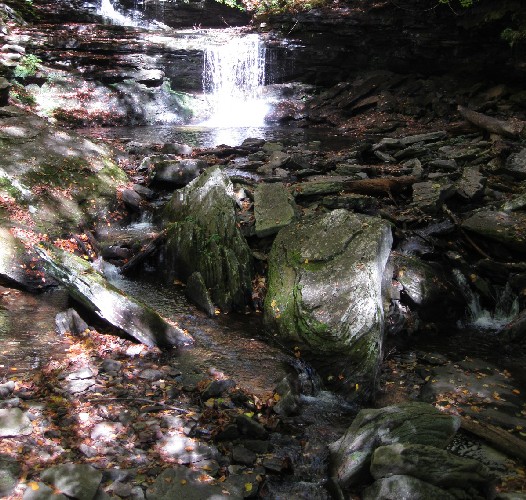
80 481
92 290
186 450
184 483
14 422
274 208
508 228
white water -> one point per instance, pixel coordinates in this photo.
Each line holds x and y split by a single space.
233 80
506 307
109 12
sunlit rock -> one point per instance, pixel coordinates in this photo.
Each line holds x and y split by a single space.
92 290
325 289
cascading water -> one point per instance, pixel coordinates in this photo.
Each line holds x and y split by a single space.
233 79
109 12
506 307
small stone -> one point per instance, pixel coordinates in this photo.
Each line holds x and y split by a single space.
151 374
14 422
243 456
217 388
111 366
121 489
250 427
106 431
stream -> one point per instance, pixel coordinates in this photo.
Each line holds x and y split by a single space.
234 345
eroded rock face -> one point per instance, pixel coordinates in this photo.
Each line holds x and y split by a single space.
203 237
325 287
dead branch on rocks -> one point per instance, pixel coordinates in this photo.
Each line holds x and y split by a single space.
383 185
508 128
145 252
497 437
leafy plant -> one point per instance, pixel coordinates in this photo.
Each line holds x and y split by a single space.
28 66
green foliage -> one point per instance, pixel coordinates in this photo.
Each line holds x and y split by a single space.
463 3
28 66
20 93
234 4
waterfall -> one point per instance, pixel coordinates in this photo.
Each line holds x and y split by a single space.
233 79
109 12
506 306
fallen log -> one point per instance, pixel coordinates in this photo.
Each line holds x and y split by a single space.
508 128
93 291
499 438
381 185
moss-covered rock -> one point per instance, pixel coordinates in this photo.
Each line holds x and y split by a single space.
203 237
325 288
54 179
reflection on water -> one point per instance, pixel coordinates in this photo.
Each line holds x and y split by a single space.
27 329
207 137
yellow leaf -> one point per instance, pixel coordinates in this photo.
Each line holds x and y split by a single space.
516 391
248 486
183 481
34 486
306 261
357 387
273 303
277 397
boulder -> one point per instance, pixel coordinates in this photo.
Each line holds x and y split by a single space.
507 228
93 291
203 236
197 292
435 466
274 208
410 423
168 169
9 474
325 288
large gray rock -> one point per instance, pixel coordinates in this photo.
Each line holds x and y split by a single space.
412 423
325 287
110 304
203 237
404 488
79 481
14 422
274 208
508 228
435 466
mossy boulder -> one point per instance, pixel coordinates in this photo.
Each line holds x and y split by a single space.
203 237
53 180
409 423
325 288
